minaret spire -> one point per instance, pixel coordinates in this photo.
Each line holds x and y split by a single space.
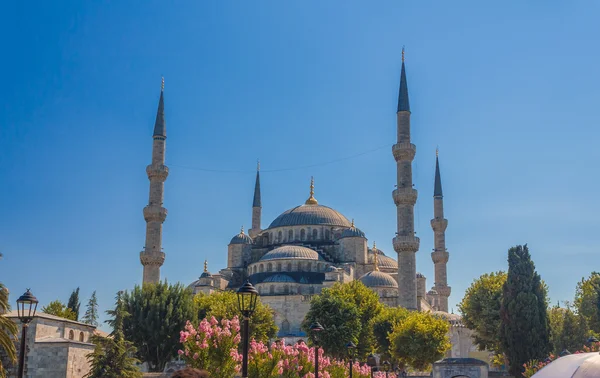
152 257
440 255
256 205
405 197
375 259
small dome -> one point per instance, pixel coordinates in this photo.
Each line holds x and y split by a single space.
279 278
291 252
205 275
241 238
383 261
378 279
352 232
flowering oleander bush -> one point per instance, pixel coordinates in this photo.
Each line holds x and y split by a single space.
534 366
214 346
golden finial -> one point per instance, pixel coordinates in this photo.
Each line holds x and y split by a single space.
242 231
402 54
205 266
162 85
374 246
352 223
312 200
376 265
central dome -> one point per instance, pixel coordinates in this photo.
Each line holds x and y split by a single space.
310 215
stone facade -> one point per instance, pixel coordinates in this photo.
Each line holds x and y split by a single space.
57 347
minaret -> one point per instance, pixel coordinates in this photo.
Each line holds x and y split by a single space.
440 255
405 197
152 257
256 206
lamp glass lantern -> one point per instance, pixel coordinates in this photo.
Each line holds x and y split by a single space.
247 296
386 366
26 307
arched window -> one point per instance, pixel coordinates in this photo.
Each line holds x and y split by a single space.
260 290
254 269
81 337
285 327
261 268
269 267
279 267
289 268
302 234
290 235
279 237
71 335
286 289
326 234
272 289
299 266
315 234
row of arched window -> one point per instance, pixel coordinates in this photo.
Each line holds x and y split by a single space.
304 236
285 289
72 336
301 267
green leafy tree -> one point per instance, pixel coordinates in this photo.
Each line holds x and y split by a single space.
419 340
57 308
74 303
224 305
525 329
480 309
587 300
568 330
340 319
157 313
383 325
91 313
8 331
356 298
113 356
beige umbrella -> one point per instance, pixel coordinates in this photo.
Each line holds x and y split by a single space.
580 365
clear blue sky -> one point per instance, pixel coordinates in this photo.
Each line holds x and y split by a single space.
509 91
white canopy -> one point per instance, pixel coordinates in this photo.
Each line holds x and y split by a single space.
582 365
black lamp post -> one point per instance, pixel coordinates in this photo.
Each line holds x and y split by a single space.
592 340
372 362
247 296
26 306
316 328
386 368
351 346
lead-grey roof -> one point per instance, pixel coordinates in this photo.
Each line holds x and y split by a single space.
279 278
160 126
241 238
383 261
376 278
257 202
291 252
437 188
352 232
310 215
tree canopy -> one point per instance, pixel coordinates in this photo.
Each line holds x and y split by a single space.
383 325
524 330
224 305
91 312
346 311
74 303
57 308
568 330
419 340
157 313
480 309
587 300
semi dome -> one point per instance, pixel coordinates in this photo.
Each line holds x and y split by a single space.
352 232
279 278
241 238
376 278
383 261
310 215
291 252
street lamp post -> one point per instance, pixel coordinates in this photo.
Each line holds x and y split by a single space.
316 328
386 368
372 362
247 296
26 306
351 346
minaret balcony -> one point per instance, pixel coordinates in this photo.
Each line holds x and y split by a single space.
153 259
154 213
159 172
439 224
406 244
443 290
440 257
404 151
405 196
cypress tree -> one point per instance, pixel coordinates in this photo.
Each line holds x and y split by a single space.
525 330
74 303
